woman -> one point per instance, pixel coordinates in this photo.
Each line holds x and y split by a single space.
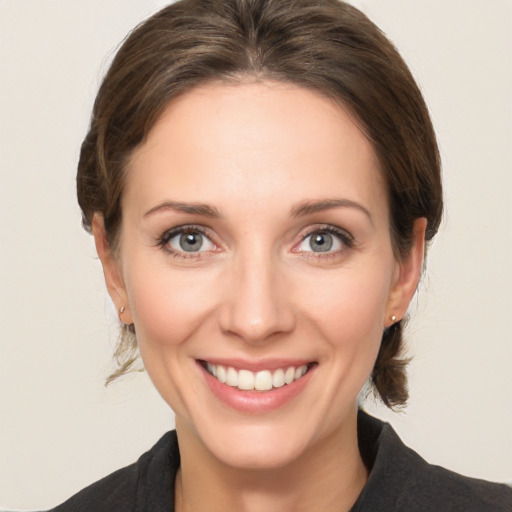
261 180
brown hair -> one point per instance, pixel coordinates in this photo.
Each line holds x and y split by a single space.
325 45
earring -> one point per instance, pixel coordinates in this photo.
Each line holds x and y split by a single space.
393 318
122 309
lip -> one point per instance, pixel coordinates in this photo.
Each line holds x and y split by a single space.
257 402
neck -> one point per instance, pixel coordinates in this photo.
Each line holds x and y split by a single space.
327 478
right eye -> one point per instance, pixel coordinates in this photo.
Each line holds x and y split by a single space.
185 241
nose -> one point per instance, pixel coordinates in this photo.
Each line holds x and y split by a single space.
256 302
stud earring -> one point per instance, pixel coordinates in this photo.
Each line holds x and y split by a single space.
122 309
393 318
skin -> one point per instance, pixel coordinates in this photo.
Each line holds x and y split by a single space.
255 153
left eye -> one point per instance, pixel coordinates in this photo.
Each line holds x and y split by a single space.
321 241
190 241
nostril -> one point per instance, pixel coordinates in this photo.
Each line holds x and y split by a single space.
255 303
256 328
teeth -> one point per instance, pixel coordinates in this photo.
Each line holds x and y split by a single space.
232 377
300 371
278 379
263 380
221 374
245 380
212 369
289 376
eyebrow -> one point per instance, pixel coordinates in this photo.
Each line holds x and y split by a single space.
298 210
310 207
191 208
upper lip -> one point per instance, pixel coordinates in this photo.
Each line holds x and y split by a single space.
257 365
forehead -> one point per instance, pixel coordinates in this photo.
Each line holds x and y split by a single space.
253 141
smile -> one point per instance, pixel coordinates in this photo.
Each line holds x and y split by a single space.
263 380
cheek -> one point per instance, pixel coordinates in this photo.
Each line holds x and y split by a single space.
167 306
348 312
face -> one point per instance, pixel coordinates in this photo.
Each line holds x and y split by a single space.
255 260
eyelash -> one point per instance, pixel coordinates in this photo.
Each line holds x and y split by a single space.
164 240
342 236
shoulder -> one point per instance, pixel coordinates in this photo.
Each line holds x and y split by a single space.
112 493
442 489
132 488
401 480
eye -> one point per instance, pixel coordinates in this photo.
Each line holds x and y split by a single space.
187 240
325 240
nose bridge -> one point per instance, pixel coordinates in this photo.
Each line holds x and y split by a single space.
256 306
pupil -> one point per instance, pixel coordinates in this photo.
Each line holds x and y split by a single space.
191 242
321 242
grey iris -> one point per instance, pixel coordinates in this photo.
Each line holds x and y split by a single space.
191 242
321 242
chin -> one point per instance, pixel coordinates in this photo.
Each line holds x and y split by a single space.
273 441
257 447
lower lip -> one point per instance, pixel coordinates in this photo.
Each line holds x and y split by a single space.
256 402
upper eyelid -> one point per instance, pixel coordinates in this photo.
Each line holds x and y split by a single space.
328 228
170 233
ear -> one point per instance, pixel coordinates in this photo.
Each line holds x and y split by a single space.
407 275
111 270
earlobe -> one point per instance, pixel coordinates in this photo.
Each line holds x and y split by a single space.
408 275
111 270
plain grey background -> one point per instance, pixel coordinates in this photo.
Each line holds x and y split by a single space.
60 429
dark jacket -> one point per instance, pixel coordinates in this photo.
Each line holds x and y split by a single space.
400 480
